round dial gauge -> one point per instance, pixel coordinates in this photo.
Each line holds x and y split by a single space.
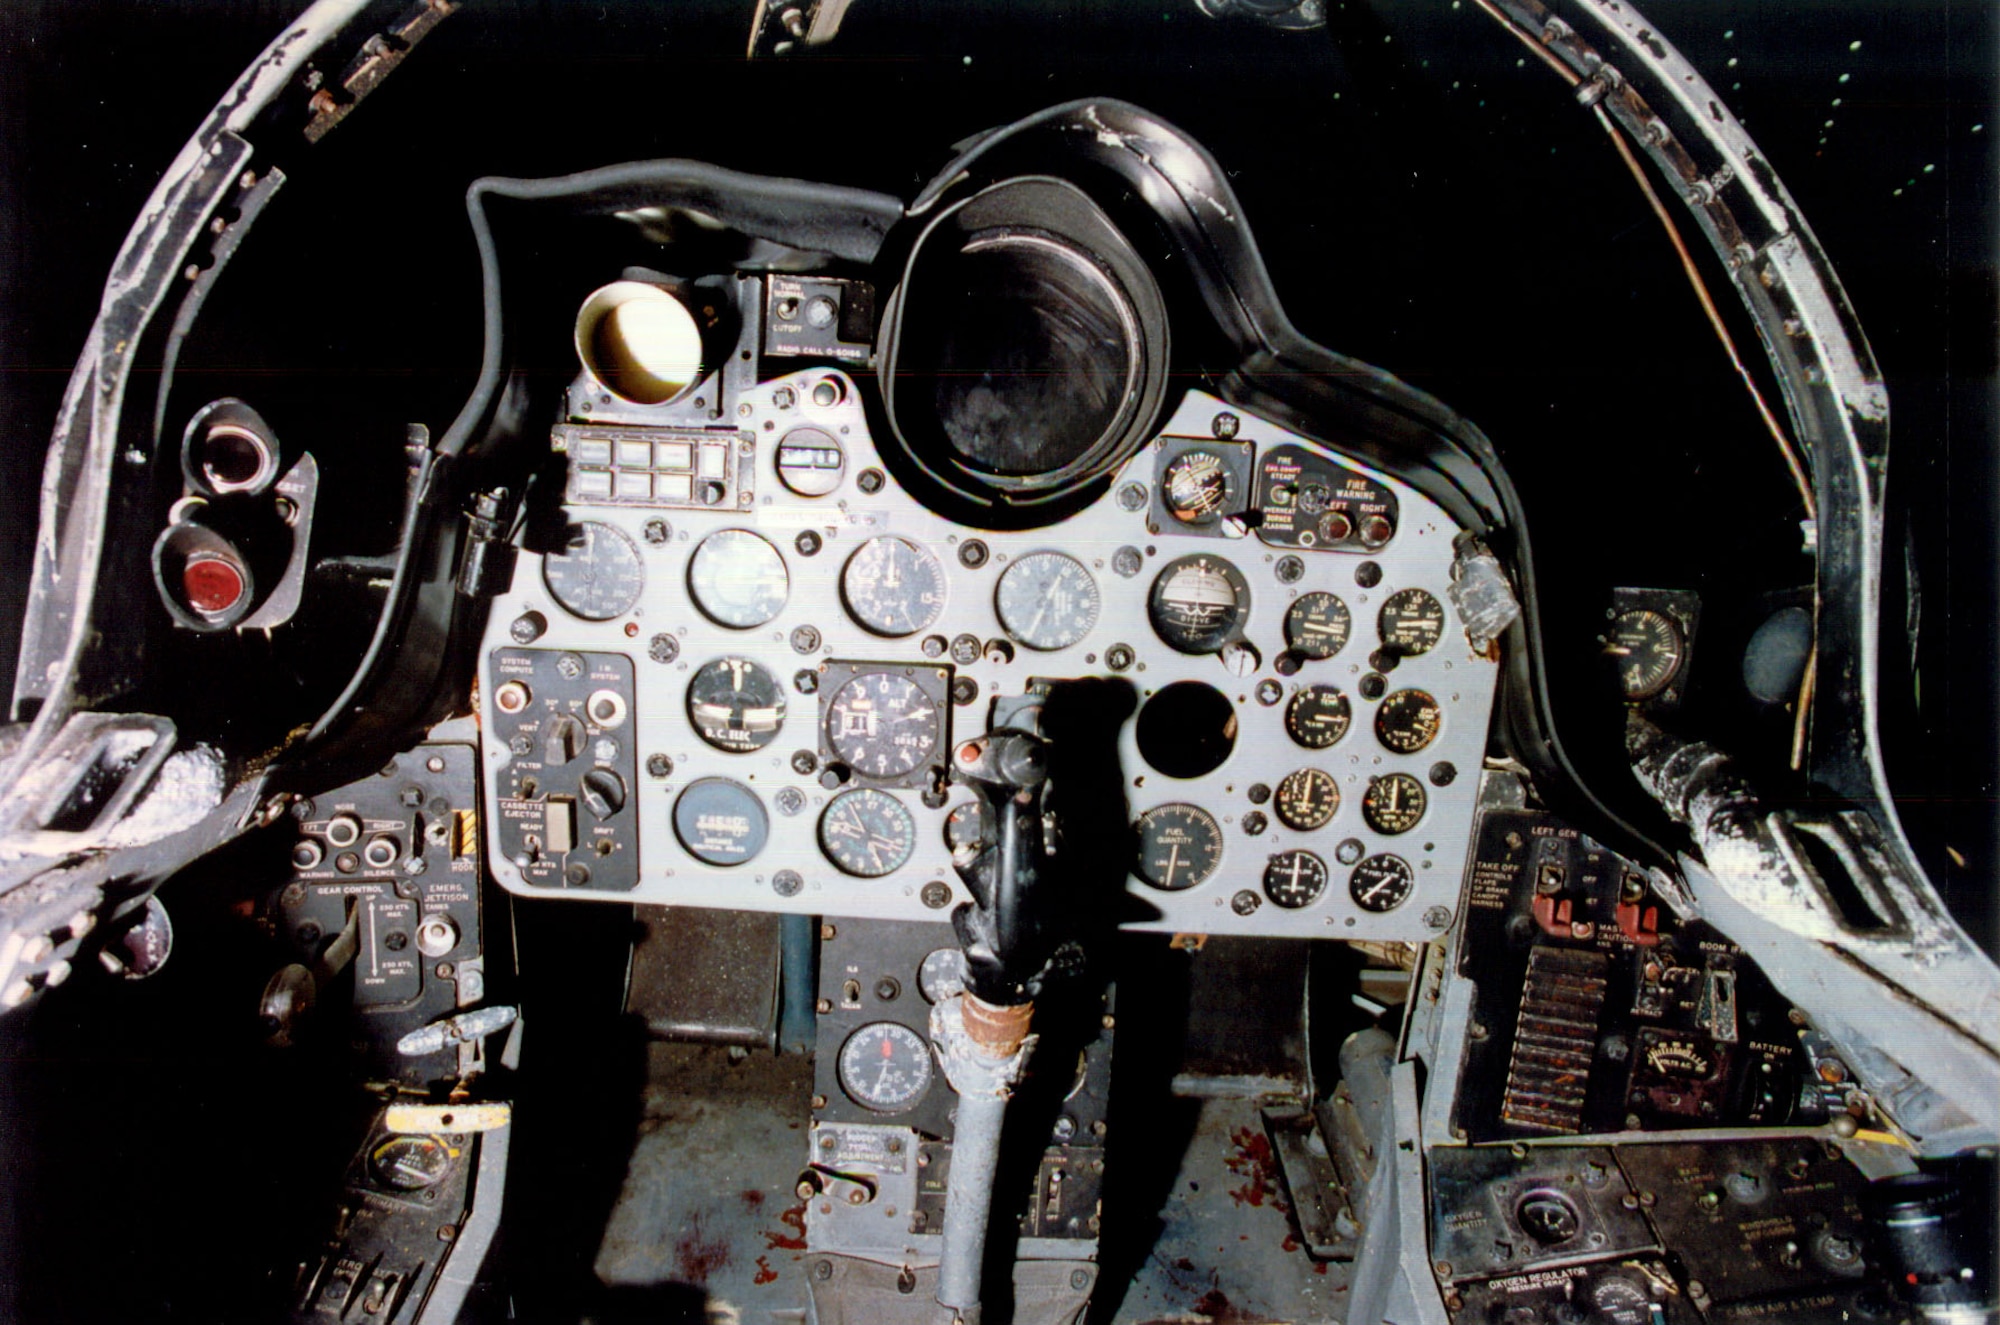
1407 721
408 1163
738 579
1412 622
1293 879
1179 846
893 586
1198 603
1306 799
720 822
942 974
881 724
1381 883
1316 625
885 1067
1195 487
598 575
867 833
736 705
1317 716
1645 649
1047 600
1393 803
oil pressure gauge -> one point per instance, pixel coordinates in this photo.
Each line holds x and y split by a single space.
885 1067
1306 799
1393 803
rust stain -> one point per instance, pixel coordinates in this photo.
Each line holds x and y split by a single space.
696 1257
794 1219
765 1274
753 1198
1255 1161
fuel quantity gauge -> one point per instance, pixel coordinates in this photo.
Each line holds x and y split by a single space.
1179 847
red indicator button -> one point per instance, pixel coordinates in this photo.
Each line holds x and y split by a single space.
213 584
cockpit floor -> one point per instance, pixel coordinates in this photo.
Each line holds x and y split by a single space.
707 1227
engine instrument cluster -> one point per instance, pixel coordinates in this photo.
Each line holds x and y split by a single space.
770 671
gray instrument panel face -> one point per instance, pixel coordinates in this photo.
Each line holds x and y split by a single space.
815 625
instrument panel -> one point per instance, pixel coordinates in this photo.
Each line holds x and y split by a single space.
804 641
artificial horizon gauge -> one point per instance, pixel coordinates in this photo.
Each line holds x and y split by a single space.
1381 883
867 833
1180 846
736 705
1407 721
1317 625
1393 803
1412 622
1306 799
881 724
892 586
598 574
738 579
1046 600
1198 603
409 1163
885 1067
1293 879
1317 717
1646 649
1195 487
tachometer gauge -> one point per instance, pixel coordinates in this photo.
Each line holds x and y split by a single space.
867 833
1047 600
1316 625
1198 603
598 575
1179 846
881 724
885 1067
1412 622
408 1163
1407 721
1306 799
1646 650
1195 487
892 586
1293 879
736 705
1393 803
1317 716
1381 883
738 579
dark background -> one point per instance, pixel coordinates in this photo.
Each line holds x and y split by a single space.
1427 197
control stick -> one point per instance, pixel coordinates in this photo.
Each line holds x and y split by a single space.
982 1034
